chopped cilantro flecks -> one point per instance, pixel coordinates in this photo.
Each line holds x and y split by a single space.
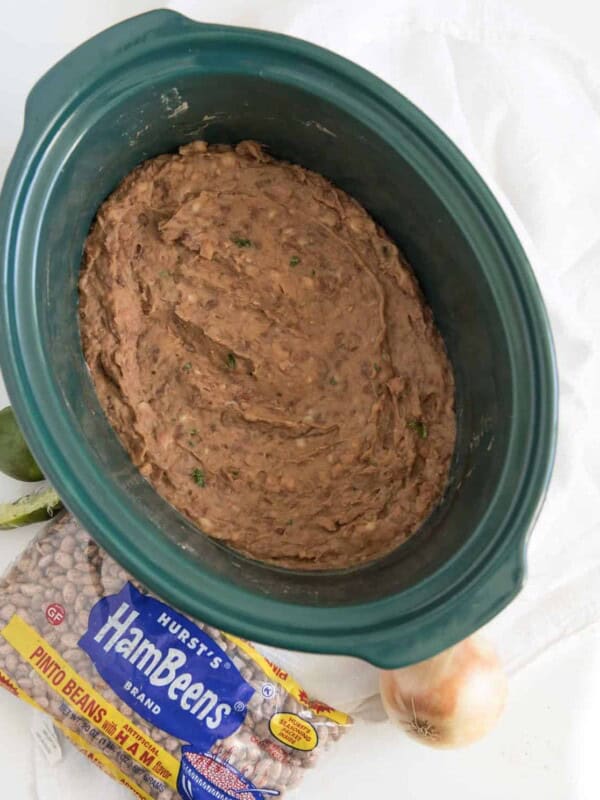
419 427
377 367
198 477
294 261
290 522
191 443
231 361
241 242
194 432
165 273
234 473
333 381
187 366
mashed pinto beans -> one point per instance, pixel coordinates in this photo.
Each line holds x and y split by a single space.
266 357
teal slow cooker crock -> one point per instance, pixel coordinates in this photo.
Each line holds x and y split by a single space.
157 81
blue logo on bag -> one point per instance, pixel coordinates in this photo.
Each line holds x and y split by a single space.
165 668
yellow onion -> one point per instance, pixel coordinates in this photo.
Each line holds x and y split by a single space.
449 700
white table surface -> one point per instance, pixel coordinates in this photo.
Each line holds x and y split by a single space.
544 746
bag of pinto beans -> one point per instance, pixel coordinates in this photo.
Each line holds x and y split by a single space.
167 705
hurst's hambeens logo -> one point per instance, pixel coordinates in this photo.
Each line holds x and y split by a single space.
165 667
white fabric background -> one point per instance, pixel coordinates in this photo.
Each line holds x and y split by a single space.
526 110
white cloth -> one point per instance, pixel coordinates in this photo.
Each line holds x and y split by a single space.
526 111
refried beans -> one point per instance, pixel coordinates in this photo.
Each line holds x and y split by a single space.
266 357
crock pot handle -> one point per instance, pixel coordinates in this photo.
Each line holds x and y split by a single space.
445 626
52 95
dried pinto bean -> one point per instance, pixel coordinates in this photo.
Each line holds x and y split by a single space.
64 567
